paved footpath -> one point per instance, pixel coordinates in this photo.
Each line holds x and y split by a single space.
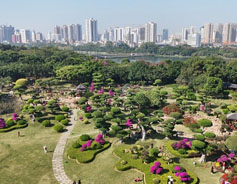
58 168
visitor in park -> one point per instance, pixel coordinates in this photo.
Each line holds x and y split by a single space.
137 179
79 181
19 133
74 182
45 149
212 169
223 166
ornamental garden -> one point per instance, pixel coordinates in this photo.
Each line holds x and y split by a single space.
150 133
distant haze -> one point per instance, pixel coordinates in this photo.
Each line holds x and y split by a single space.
42 15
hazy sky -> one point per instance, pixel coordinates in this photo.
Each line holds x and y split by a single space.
42 15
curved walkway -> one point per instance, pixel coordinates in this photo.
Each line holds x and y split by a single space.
58 168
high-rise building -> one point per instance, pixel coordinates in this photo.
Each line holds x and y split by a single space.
118 34
105 36
141 34
194 40
111 35
6 33
33 36
217 34
25 35
165 34
16 38
91 30
39 37
64 32
208 34
70 33
127 37
229 34
150 32
77 32
57 30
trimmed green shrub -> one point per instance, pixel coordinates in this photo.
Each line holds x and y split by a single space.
86 121
112 133
198 144
64 122
231 142
115 109
88 115
10 123
205 123
65 108
58 128
46 123
199 137
175 115
59 117
182 151
124 162
97 114
76 145
96 146
209 135
156 181
135 157
82 100
30 101
154 152
36 102
197 130
85 137
21 122
21 82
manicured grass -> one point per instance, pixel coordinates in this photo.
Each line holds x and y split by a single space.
145 168
22 159
87 155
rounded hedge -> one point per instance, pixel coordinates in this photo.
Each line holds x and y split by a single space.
199 137
182 151
59 117
65 108
58 128
76 145
96 146
156 181
21 82
175 115
205 123
85 137
64 122
21 122
88 115
197 130
82 100
198 144
97 114
46 123
231 142
10 123
115 109
209 135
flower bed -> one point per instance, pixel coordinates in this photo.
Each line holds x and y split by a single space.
149 169
85 151
189 153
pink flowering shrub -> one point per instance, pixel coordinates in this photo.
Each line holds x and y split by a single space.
183 176
88 108
183 144
156 168
129 123
86 145
99 139
101 91
92 87
14 116
224 158
2 123
111 93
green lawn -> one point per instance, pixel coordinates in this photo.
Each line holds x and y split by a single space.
22 159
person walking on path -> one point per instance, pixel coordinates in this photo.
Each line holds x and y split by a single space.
45 149
212 169
18 133
74 182
79 181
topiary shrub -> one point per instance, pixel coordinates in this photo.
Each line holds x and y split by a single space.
124 162
199 137
21 82
231 142
82 100
76 145
205 123
196 144
21 122
175 115
96 146
59 117
58 128
85 137
88 115
46 123
209 135
65 108
115 109
197 130
64 122
10 123
182 151
86 121
97 114
135 157
154 152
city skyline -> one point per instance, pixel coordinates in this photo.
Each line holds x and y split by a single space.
171 15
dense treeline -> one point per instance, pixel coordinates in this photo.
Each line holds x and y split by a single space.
151 48
21 62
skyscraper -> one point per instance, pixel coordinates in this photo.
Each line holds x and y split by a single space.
217 34
141 34
91 30
118 34
208 34
150 32
229 33
64 32
6 33
165 34
25 35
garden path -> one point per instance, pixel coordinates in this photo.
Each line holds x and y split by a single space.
58 168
